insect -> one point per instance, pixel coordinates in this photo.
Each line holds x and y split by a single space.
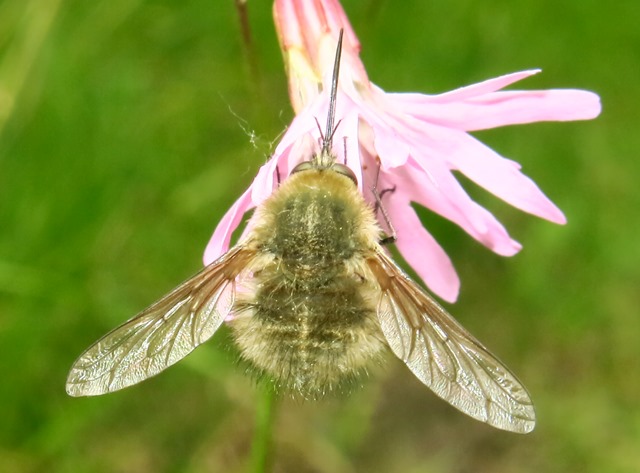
312 297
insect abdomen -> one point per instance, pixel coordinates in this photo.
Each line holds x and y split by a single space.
310 340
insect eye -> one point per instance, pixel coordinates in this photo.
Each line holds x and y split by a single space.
339 168
345 171
303 166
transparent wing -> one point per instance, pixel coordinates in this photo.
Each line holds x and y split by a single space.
444 356
162 334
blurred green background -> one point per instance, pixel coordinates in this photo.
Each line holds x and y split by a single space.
127 128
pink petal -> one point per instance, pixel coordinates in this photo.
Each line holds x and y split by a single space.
435 188
496 174
422 251
219 242
470 91
514 107
303 123
430 183
367 171
294 147
302 24
265 181
302 150
291 150
507 108
389 139
388 130
308 32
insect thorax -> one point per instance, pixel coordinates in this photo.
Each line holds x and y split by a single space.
315 226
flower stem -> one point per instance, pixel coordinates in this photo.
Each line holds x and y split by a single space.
260 450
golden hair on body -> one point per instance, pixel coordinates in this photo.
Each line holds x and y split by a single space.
311 322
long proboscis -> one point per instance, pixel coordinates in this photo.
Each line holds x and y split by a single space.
327 139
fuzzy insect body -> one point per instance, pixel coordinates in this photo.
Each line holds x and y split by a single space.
311 322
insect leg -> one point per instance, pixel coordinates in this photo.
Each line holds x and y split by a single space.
344 149
388 239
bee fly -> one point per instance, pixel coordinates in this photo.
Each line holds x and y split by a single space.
312 298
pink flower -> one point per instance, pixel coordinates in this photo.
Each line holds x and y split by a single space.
417 139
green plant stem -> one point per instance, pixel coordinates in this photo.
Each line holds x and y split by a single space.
260 450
